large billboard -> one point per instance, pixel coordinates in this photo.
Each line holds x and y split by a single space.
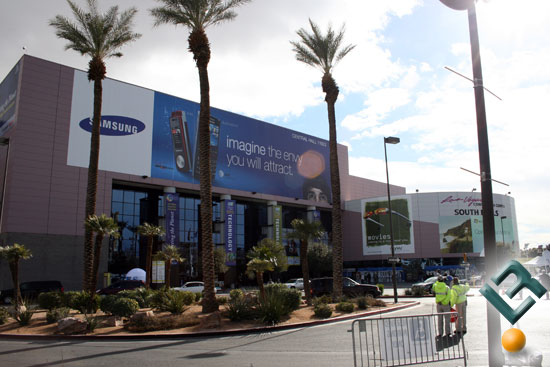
152 134
8 97
376 226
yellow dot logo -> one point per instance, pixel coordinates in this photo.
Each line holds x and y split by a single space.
513 340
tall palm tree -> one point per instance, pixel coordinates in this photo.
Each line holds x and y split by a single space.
168 254
13 254
305 231
150 231
324 51
197 15
99 36
102 226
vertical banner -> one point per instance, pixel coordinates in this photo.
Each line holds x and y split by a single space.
158 272
172 218
277 223
230 248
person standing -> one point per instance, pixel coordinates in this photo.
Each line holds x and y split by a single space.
461 302
443 301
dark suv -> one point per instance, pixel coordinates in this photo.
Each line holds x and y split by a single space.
321 286
31 290
121 285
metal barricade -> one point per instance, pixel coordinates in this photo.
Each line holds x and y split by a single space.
405 340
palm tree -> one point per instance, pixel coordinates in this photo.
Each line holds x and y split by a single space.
102 226
304 231
150 231
257 267
168 254
197 15
98 36
324 51
268 255
13 254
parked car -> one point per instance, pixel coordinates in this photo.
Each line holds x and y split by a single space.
31 290
321 286
195 287
296 283
425 285
121 285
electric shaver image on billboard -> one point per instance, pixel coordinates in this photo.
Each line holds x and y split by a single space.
214 129
180 139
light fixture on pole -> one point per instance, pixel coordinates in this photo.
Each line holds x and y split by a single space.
391 140
493 317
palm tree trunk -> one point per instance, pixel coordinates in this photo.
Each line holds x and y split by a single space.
198 44
14 269
97 256
331 90
305 270
149 262
91 190
167 265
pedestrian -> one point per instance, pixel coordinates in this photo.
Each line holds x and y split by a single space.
448 280
460 302
443 301
544 279
368 278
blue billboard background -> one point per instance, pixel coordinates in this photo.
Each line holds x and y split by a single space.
251 155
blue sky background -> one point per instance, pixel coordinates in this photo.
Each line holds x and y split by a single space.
392 83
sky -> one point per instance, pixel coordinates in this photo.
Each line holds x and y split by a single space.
393 83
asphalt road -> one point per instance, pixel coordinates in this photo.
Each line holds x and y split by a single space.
323 345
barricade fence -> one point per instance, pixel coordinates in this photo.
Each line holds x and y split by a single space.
406 340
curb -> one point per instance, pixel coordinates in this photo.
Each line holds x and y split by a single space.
200 334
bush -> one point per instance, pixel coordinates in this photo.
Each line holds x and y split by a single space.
160 323
4 314
92 323
106 303
322 310
373 302
240 306
381 287
56 314
272 308
124 307
362 303
222 300
23 318
408 292
85 302
143 296
326 299
418 291
346 307
49 300
291 298
172 301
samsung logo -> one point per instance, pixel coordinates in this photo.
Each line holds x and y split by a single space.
115 125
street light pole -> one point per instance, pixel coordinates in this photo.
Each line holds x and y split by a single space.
502 229
391 140
491 264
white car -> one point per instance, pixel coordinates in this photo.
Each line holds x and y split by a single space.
296 283
195 287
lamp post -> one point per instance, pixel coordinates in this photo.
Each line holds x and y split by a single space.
391 140
491 264
502 229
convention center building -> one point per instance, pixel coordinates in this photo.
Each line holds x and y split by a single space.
263 177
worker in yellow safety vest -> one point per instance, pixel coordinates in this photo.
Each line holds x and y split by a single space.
443 301
460 291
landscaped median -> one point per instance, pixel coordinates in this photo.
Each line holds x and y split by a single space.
240 312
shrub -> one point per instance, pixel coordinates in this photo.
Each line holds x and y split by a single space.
4 314
408 292
326 299
235 294
124 307
106 303
172 301
418 291
346 307
322 310
222 300
291 298
160 323
23 318
143 296
240 306
198 296
92 323
49 300
373 302
272 308
381 287
85 302
68 299
362 303
56 314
